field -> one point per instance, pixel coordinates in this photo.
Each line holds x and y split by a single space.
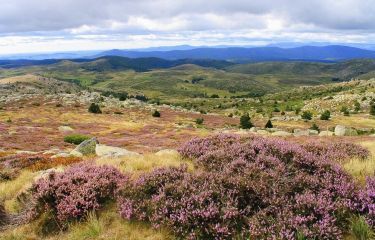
187 151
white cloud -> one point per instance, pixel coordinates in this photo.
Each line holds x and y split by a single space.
36 25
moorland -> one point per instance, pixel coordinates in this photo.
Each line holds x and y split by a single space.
151 148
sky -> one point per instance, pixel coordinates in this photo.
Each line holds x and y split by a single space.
70 25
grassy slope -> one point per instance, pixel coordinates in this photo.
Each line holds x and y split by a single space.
174 83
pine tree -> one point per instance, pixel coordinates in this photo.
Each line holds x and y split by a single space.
245 121
269 124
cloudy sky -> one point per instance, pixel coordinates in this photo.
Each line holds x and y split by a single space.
65 25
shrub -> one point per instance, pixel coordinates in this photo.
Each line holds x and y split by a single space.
249 188
344 110
72 194
156 113
94 108
306 115
315 127
372 110
245 121
269 124
199 121
326 115
76 138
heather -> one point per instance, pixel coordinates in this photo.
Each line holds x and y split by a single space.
72 194
252 187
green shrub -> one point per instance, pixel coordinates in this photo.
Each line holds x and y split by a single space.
245 121
372 110
199 121
156 113
76 138
306 115
345 110
326 115
94 108
315 127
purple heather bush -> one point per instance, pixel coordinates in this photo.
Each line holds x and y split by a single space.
70 195
252 188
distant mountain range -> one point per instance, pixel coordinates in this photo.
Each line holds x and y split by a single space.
257 54
273 52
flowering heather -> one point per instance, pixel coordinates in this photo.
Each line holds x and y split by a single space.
367 206
70 195
251 187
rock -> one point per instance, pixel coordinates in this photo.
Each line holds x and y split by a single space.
113 152
281 134
26 152
313 132
253 129
45 173
75 153
166 152
87 147
52 151
326 133
65 129
340 130
351 132
344 131
299 132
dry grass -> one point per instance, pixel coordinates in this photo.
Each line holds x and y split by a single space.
107 226
360 169
10 189
145 162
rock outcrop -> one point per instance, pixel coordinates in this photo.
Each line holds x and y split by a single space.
87 147
113 152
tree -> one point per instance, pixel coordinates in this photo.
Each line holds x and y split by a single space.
94 108
315 127
326 115
156 113
372 110
245 121
269 124
306 115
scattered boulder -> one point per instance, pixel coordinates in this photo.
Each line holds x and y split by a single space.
26 152
299 132
85 148
326 134
313 132
52 151
340 130
344 131
112 152
65 129
281 134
